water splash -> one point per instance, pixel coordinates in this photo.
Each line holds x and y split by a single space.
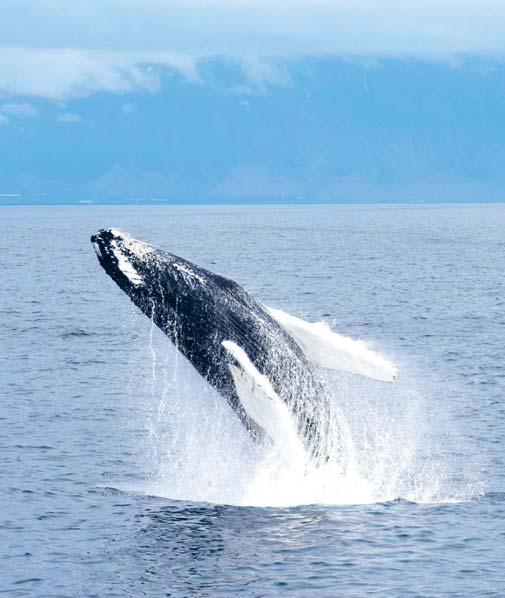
386 442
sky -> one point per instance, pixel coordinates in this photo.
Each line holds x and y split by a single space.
240 101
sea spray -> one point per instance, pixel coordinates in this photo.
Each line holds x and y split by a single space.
383 442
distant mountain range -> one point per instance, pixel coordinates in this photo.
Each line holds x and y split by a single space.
328 130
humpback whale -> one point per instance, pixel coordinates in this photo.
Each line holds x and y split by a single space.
264 362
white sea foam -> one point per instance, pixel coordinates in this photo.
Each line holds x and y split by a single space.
386 442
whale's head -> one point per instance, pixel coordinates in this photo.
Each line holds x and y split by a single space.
155 280
125 259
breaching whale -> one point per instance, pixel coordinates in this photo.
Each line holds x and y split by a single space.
263 361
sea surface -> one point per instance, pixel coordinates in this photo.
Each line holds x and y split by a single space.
122 474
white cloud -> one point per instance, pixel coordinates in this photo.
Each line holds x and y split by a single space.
217 27
62 74
21 110
69 117
3 119
261 73
120 45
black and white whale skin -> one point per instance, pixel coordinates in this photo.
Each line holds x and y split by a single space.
258 359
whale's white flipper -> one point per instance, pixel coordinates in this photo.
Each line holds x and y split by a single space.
263 405
330 350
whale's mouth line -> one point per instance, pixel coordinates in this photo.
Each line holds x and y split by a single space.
96 247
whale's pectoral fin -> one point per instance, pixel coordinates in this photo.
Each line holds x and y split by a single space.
262 404
330 350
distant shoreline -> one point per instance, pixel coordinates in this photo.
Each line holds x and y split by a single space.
17 202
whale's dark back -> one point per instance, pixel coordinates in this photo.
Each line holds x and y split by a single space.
198 310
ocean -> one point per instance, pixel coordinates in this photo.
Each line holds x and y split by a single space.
123 474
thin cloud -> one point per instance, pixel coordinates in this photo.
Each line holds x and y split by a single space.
232 27
62 74
69 117
122 45
21 110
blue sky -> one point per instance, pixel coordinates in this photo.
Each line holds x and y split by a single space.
130 100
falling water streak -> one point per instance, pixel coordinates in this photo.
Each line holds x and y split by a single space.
164 395
175 379
153 431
